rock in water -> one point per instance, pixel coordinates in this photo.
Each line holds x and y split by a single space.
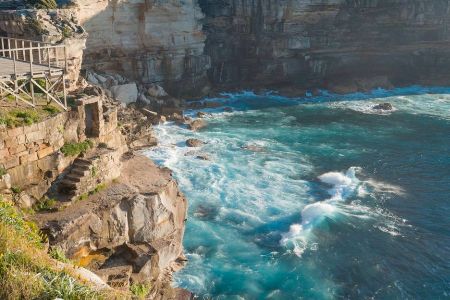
383 106
194 143
196 125
201 114
202 157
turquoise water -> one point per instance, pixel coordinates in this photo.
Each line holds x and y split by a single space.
317 198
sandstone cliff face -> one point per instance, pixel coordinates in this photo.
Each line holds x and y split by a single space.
147 41
132 231
340 44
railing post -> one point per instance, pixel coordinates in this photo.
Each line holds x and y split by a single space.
15 78
64 90
65 60
48 57
3 47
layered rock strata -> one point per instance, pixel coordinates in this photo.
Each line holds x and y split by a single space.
147 41
132 231
337 44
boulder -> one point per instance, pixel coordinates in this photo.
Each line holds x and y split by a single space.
23 200
202 157
196 124
383 106
125 93
194 143
201 114
253 148
156 91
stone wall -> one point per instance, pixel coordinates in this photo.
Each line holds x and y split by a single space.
29 154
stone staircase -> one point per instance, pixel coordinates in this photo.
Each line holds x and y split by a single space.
76 182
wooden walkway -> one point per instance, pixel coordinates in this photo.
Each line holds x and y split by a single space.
22 70
26 66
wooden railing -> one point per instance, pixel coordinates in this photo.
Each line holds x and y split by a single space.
33 52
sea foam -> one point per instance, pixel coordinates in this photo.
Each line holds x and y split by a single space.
342 185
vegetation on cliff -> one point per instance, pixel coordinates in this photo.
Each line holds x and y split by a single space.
16 117
27 271
42 4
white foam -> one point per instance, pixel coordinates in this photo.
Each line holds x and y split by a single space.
343 185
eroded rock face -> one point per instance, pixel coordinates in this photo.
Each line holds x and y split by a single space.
137 222
148 41
336 44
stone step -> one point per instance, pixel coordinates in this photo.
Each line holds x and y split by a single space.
83 171
82 162
74 177
69 184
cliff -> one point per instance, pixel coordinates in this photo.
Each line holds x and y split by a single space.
189 47
131 232
147 41
337 44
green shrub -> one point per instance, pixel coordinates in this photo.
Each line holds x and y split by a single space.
16 189
46 204
140 290
72 149
58 254
2 171
98 189
51 110
42 4
67 32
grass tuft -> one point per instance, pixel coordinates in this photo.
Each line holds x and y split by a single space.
45 204
73 149
140 290
27 271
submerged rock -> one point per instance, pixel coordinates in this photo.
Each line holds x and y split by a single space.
202 157
254 148
196 124
194 143
201 114
384 106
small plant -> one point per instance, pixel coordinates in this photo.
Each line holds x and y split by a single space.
72 149
102 145
140 290
94 171
51 110
58 254
83 197
42 4
98 189
46 204
66 32
16 189
2 171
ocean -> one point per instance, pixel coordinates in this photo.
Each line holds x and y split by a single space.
316 197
